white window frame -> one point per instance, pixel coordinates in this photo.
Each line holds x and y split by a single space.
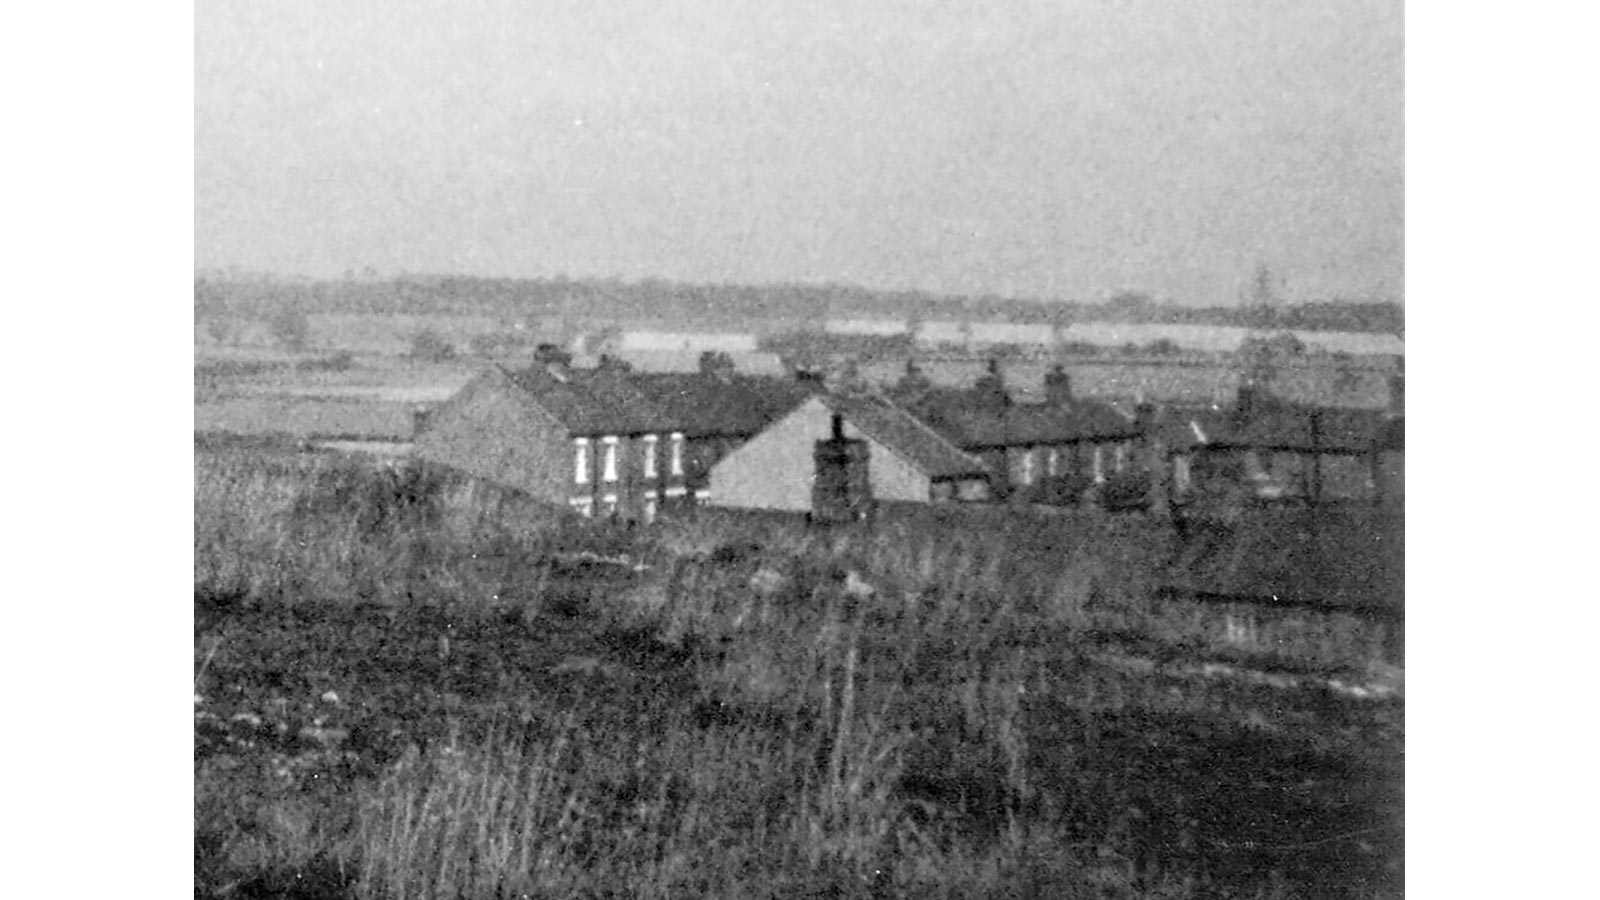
649 508
650 441
677 454
1052 465
1026 475
584 506
581 463
608 505
1099 464
608 471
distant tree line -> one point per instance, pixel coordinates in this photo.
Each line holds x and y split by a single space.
727 306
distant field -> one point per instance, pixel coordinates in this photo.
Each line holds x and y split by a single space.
393 334
305 395
355 381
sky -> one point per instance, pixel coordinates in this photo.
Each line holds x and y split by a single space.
1070 149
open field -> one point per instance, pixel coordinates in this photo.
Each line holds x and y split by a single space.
319 395
410 686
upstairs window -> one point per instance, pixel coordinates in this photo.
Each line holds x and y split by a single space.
1026 475
608 470
677 454
649 456
581 462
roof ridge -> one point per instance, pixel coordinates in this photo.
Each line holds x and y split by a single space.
894 409
930 430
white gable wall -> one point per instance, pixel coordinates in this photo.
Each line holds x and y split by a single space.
776 470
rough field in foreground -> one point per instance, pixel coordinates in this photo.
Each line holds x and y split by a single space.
413 700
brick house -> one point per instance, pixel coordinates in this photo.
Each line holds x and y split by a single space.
1044 452
1283 450
603 442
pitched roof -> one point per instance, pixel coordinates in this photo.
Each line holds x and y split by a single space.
905 435
602 401
968 421
586 408
703 405
1274 424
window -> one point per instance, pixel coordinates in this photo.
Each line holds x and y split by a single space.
649 508
608 506
649 456
581 466
677 454
1052 466
584 506
1121 457
609 470
1026 476
1099 464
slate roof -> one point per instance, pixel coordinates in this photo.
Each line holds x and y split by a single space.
588 409
598 402
1282 425
905 435
702 405
969 422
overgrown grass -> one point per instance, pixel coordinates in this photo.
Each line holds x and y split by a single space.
763 711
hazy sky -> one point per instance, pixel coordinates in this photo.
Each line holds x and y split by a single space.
1062 148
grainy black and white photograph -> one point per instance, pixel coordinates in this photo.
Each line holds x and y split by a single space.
799 450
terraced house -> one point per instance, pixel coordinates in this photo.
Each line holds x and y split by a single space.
604 442
1042 452
1277 449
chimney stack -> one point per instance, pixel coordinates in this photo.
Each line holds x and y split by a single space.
1144 417
554 360
1058 386
991 388
1244 407
716 364
841 491
913 384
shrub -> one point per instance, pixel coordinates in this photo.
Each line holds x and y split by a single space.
430 346
290 326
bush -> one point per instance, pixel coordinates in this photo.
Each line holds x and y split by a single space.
291 327
1061 490
430 346
1125 491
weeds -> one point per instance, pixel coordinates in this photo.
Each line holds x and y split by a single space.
753 711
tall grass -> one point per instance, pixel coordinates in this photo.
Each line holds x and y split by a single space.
903 710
